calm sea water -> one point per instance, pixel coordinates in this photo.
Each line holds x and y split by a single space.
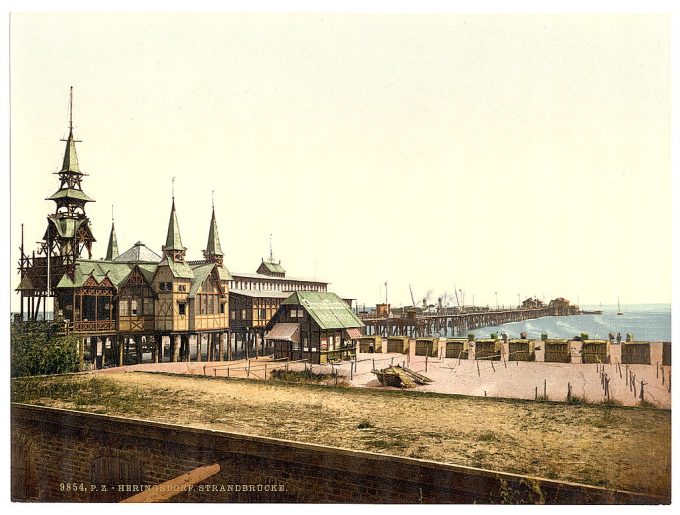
650 322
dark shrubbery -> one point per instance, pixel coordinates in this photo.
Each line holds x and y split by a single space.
37 349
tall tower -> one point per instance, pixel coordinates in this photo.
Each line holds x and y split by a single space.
173 247
68 228
213 252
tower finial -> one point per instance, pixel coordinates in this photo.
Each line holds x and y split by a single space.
213 198
70 110
173 190
271 253
112 219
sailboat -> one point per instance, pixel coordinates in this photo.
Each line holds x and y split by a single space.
619 304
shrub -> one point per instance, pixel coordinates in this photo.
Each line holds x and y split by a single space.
37 349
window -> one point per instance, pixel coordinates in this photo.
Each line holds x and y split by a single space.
182 308
133 307
123 307
161 286
182 287
244 314
168 286
222 307
263 314
203 302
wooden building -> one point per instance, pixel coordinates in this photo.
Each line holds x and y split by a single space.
315 326
138 295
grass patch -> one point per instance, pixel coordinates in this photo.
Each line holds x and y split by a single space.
307 377
487 436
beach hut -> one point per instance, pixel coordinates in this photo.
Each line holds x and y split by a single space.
595 351
399 344
635 353
456 348
557 351
488 349
666 354
427 347
370 344
522 350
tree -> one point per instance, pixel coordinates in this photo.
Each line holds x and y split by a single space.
37 348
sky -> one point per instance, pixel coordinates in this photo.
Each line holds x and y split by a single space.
501 155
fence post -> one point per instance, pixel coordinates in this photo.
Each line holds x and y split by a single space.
351 370
642 390
265 371
568 392
536 394
227 371
657 370
478 374
545 388
425 362
492 366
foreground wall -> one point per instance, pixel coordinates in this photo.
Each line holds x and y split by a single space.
62 455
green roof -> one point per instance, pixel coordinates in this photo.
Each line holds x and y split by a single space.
201 273
25 284
112 248
173 240
66 227
70 193
70 163
224 273
327 309
117 272
272 267
179 269
213 246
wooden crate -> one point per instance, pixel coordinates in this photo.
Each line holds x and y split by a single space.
595 351
635 353
557 351
398 344
427 347
521 350
456 349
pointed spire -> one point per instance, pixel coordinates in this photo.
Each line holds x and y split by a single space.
173 241
213 248
70 163
112 248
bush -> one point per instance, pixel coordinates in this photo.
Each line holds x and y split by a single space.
37 349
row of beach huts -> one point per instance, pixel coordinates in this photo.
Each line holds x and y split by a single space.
577 350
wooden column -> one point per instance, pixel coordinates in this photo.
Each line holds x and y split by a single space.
187 356
175 342
154 349
199 346
138 348
120 344
220 348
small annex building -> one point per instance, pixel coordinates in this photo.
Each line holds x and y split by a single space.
317 326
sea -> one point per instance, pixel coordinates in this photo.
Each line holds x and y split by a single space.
646 322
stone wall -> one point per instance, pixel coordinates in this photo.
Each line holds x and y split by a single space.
62 455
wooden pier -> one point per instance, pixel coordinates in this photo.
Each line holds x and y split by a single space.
459 324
